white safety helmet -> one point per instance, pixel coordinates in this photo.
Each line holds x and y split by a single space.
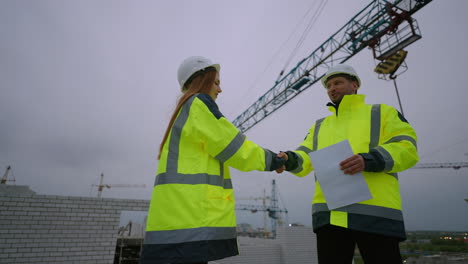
340 69
192 65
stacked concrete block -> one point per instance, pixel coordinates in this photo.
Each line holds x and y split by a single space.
66 229
59 229
299 244
293 245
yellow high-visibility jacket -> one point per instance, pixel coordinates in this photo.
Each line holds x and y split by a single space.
367 127
192 210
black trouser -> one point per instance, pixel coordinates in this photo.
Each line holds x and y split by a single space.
335 245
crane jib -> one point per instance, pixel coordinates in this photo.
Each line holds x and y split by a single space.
368 28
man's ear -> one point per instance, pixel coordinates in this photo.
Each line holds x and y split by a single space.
356 86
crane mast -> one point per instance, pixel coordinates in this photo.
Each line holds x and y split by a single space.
272 209
254 208
366 29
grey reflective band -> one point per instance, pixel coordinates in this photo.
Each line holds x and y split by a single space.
232 148
300 161
227 184
305 149
299 168
375 126
171 176
319 207
363 209
268 159
173 151
200 178
318 123
403 137
221 170
189 235
387 158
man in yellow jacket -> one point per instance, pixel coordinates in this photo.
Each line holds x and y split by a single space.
385 144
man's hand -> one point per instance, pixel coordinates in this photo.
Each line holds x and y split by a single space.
284 156
352 165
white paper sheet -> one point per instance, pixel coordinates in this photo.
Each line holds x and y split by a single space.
339 189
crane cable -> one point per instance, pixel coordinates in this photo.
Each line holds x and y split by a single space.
307 30
397 93
270 62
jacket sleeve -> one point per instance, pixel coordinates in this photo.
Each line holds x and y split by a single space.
301 164
225 142
398 141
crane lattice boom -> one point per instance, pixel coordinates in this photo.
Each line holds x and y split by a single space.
365 29
453 165
101 185
5 178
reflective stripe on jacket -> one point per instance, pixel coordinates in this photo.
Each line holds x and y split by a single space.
366 127
192 211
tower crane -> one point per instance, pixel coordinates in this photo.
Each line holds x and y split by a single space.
442 165
102 185
453 165
5 176
384 26
264 207
272 209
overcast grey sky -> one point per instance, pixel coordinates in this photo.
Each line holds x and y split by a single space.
87 87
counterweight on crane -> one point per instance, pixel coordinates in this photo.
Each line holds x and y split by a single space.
102 185
384 26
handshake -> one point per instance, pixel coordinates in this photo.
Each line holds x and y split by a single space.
359 162
283 156
280 162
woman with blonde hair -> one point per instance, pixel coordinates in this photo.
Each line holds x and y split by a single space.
191 217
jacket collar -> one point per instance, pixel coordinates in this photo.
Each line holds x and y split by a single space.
348 103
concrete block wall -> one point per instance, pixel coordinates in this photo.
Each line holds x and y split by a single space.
59 229
66 229
293 245
255 251
299 244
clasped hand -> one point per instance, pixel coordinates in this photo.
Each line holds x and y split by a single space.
351 165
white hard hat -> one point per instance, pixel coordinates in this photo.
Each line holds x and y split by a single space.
340 69
192 65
